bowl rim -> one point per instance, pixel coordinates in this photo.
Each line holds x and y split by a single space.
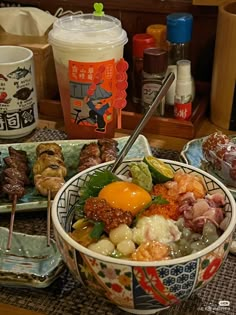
180 260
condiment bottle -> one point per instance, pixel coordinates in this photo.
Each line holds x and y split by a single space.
183 96
158 31
140 42
155 62
179 35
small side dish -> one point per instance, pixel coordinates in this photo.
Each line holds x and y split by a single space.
220 152
29 262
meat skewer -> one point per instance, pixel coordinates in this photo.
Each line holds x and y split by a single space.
97 152
15 179
49 171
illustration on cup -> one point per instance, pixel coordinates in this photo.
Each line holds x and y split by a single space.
19 73
2 77
4 99
23 93
91 90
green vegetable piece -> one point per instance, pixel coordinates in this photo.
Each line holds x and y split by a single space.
116 254
161 172
95 183
141 175
160 200
97 230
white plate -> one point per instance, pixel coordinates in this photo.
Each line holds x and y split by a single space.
192 155
71 149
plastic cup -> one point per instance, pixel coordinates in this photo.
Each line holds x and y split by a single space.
88 54
18 100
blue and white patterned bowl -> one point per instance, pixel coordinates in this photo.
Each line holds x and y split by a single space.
134 286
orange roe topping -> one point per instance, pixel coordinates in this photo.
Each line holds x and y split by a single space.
170 210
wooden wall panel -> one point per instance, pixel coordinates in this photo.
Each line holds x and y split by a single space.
208 2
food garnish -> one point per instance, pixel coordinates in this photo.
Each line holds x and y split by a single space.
160 171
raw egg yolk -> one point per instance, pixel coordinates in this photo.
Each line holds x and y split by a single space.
125 196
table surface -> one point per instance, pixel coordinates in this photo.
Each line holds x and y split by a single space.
65 297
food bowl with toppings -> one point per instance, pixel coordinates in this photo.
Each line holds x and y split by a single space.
146 237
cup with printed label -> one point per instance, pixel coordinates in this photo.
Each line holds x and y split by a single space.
18 98
88 54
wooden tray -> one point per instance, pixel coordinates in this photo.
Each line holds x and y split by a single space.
168 125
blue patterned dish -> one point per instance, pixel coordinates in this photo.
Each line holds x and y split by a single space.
29 262
192 155
71 150
139 287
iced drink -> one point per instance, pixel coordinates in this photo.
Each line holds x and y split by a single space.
88 54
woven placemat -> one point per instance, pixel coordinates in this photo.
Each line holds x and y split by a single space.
66 297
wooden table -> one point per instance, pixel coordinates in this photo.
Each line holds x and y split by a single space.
160 141
6 309
205 128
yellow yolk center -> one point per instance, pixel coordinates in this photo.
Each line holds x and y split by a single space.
126 196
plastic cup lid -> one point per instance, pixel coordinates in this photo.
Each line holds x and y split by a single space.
79 31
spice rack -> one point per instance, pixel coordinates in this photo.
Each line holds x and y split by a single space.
167 125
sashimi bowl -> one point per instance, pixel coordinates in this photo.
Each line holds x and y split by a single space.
179 255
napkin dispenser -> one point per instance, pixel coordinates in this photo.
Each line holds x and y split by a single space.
29 27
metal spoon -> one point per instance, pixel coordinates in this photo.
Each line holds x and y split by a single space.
163 90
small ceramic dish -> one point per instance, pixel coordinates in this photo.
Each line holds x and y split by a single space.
192 155
29 262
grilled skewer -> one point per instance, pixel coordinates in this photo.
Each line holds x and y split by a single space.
49 171
97 152
15 178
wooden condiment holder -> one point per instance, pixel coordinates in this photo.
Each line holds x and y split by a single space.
168 125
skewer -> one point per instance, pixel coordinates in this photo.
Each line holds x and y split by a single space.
49 171
13 211
49 218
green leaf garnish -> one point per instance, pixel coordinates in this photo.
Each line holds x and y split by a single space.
159 200
97 230
92 187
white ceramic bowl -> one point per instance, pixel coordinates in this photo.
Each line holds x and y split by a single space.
134 286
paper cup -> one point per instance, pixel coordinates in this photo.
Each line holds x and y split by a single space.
87 50
18 101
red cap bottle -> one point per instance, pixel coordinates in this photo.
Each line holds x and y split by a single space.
140 43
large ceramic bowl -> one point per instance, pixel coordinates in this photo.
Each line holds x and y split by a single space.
134 286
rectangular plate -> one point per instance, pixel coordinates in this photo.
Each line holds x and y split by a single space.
32 200
29 262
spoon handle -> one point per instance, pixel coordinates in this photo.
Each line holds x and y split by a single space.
163 90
